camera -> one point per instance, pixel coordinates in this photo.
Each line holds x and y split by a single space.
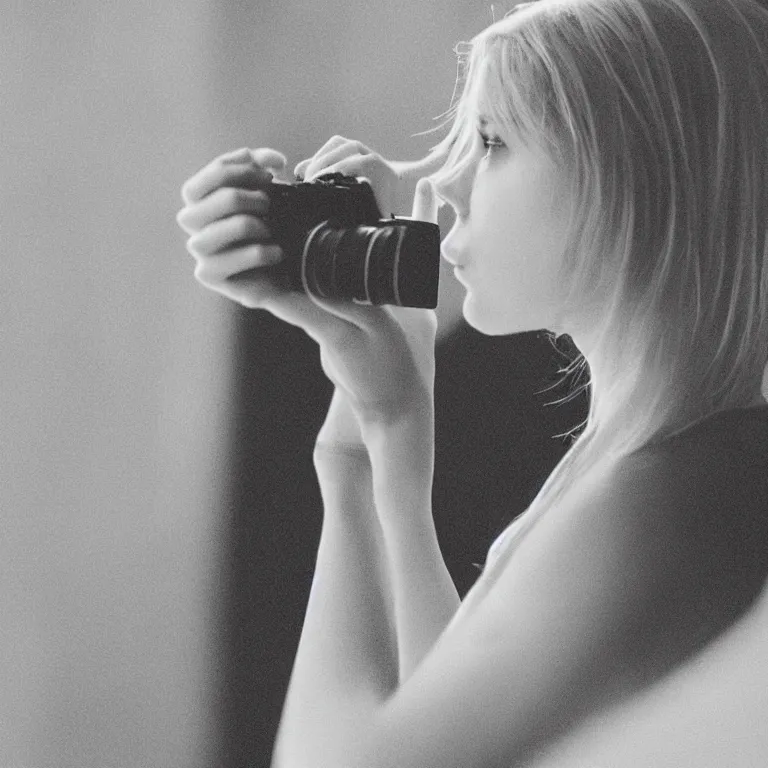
337 245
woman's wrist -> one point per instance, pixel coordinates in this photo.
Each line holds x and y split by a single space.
340 431
337 463
344 432
337 448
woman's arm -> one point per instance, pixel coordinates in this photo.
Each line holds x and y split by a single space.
346 661
425 597
367 568
419 591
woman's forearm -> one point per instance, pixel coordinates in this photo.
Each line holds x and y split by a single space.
346 663
420 592
425 597
375 561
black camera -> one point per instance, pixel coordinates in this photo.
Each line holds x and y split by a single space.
337 245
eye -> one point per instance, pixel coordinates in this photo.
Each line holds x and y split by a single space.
490 143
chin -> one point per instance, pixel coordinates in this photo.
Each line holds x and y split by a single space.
496 325
488 326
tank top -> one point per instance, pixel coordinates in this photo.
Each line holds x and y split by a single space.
726 422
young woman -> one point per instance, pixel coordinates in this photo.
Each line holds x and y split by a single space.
608 165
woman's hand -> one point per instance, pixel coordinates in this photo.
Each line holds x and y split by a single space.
225 205
381 357
394 184
393 181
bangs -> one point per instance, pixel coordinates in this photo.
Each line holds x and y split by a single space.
462 137
514 90
505 80
483 93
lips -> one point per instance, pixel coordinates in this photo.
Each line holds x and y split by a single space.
448 257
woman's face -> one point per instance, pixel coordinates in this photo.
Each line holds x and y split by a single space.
512 212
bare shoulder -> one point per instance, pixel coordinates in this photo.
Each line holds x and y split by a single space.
606 595
671 543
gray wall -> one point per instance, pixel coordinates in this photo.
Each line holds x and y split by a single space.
113 375
115 367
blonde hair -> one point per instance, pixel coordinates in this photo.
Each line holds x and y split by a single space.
657 111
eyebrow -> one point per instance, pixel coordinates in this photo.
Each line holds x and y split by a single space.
482 120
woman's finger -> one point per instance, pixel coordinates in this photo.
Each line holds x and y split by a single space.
269 158
225 233
220 204
301 168
219 174
323 160
211 271
425 203
349 166
332 143
335 141
242 155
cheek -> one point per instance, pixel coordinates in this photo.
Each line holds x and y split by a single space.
519 222
514 207
513 234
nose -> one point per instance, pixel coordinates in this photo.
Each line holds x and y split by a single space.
454 247
456 190
448 192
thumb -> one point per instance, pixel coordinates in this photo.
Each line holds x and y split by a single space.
425 206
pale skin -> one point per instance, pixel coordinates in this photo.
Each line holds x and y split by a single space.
562 630
225 203
511 217
512 207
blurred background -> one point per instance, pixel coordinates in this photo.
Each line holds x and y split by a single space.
160 509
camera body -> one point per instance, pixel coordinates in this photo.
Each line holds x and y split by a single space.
338 247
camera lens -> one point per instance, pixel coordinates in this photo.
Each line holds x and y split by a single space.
395 262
